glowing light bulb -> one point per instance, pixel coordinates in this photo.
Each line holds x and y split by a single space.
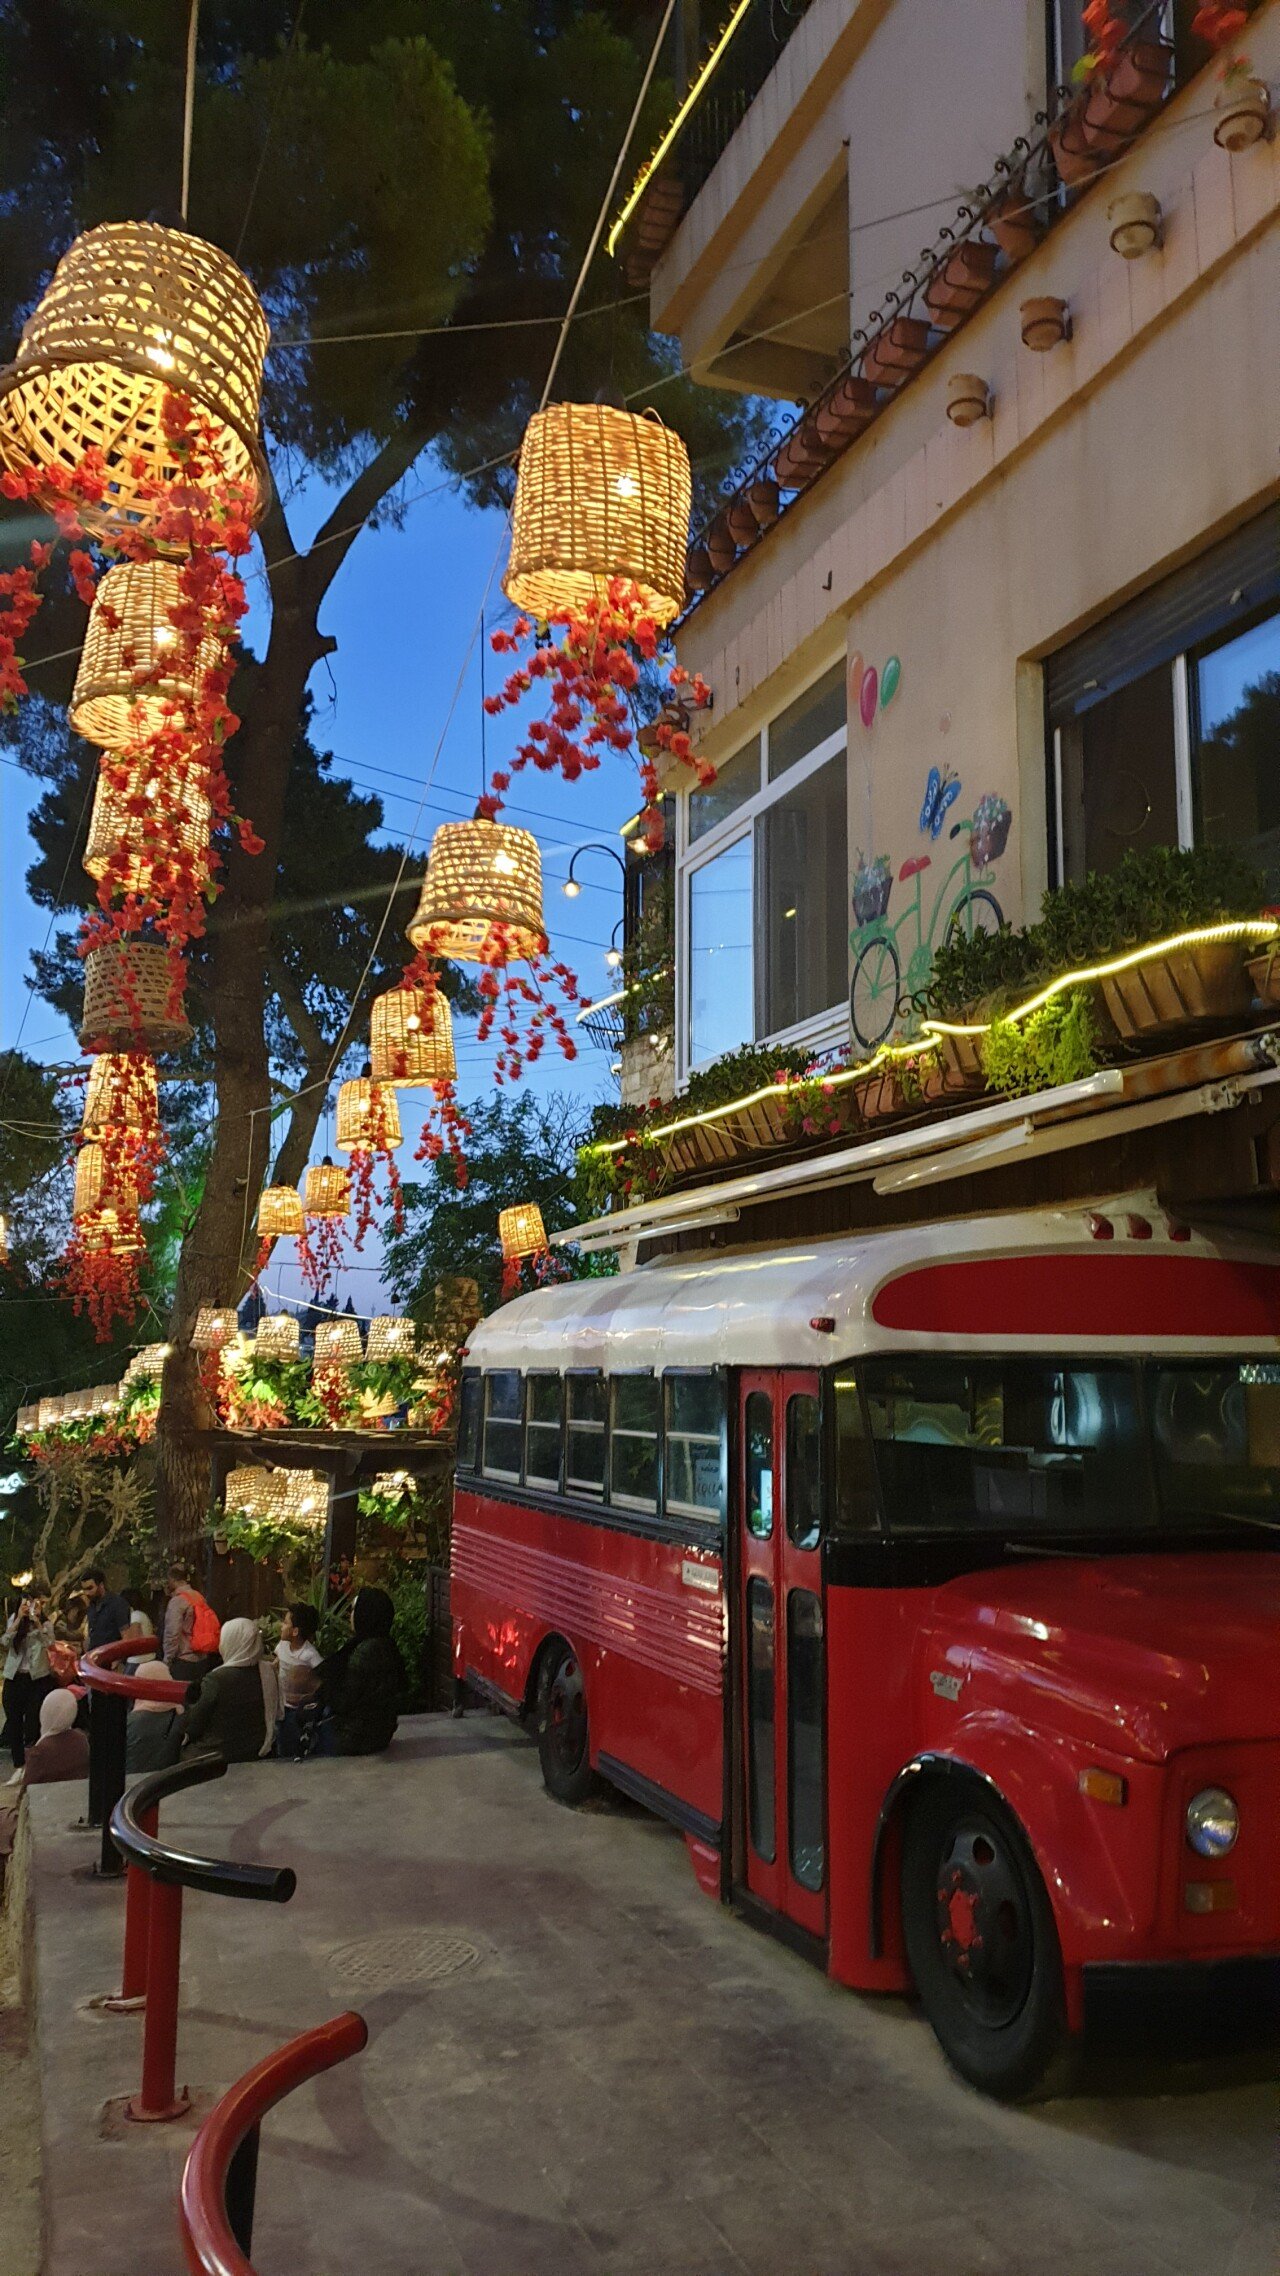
160 355
412 1024
165 636
627 486
572 888
613 958
503 863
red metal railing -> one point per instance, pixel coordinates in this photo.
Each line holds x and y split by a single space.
216 2207
109 1695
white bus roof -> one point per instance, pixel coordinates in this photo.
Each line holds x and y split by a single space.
758 1307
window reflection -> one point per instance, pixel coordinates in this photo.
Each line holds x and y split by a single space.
758 1430
721 999
1237 688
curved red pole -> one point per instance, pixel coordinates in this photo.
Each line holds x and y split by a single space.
207 2239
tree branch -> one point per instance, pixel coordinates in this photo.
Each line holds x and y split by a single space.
375 482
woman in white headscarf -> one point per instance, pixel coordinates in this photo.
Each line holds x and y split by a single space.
61 1751
237 1706
153 1738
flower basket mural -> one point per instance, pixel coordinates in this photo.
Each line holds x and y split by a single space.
893 959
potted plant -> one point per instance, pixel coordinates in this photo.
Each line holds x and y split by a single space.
1011 219
896 352
1123 95
963 278
1052 1047
972 978
1150 897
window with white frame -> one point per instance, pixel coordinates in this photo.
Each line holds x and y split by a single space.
763 884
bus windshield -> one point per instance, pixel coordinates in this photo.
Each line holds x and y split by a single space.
1059 1445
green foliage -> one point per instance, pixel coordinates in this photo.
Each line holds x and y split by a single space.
385 1378
408 1593
640 1169
1147 897
1055 1045
971 972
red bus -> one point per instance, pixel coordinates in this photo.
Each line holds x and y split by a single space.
924 1579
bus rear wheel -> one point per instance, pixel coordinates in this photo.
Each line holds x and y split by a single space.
564 1744
982 1943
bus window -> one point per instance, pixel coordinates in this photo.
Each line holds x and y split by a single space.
502 1424
853 1506
469 1422
760 1716
584 1437
544 1412
804 1474
758 1430
804 1736
633 1442
695 1434
1008 1440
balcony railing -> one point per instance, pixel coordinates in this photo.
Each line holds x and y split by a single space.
723 88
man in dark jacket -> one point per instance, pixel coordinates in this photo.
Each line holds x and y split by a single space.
364 1682
109 1613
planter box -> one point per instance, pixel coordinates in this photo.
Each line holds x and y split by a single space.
960 1057
880 1096
1187 988
964 279
707 1146
1118 105
765 1123
1264 972
897 352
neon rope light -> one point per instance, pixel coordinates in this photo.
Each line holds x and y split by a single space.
831 1082
633 197
1252 928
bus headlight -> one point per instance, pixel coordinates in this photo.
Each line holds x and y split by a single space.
1213 1822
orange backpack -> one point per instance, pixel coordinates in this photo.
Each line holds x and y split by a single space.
206 1628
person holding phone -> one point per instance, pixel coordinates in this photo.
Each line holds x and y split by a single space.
28 1677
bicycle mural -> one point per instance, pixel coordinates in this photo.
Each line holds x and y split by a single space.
892 961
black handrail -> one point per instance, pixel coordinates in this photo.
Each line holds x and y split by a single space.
178 1868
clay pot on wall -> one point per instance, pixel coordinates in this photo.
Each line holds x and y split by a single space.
897 352
968 399
1045 322
1012 222
1244 115
963 280
1121 100
1134 219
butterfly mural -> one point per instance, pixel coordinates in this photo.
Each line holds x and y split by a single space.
940 794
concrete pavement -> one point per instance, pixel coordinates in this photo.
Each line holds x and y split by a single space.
579 2064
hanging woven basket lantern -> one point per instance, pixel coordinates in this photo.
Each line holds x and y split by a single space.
368 1117
521 1231
109 1233
49 1411
122 1094
600 493
146 1365
481 899
215 1328
391 1338
298 1498
337 1342
277 1336
280 1212
411 1040
131 637
127 995
123 843
326 1190
100 1189
133 311
247 1492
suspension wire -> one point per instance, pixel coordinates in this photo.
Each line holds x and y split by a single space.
189 106
271 123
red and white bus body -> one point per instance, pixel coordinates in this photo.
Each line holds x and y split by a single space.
966 1524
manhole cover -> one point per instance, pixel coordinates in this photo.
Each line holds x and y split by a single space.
406 1956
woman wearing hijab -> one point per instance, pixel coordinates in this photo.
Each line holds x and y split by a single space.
61 1751
237 1706
363 1683
153 1738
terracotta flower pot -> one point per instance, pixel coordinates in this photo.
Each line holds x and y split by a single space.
964 279
1121 100
1075 159
1188 987
721 546
1134 219
1244 115
880 1096
1012 222
1045 321
968 398
740 522
698 572
1264 972
762 497
897 352
841 416
800 457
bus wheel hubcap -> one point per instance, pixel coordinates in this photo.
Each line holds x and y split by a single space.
984 1924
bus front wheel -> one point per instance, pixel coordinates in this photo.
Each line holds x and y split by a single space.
982 1943
564 1745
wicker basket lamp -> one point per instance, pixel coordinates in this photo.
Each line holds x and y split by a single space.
337 1342
134 310
109 1233
410 1044
298 1497
481 898
367 1117
128 636
215 1327
122 1094
326 1190
126 1000
277 1336
97 1188
147 1365
248 1490
49 1411
600 493
280 1212
27 1419
521 1231
120 840
391 1338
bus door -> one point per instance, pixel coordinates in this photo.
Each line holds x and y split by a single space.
782 1692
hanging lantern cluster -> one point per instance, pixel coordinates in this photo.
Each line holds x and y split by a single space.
368 1129
120 1150
277 1336
390 1338
216 1327
601 494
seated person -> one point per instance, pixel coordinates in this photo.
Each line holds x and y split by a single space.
153 1736
61 1751
237 1707
363 1683
298 1661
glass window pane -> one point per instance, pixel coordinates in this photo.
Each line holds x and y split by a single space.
819 712
736 781
721 929
544 1396
804 890
633 1441
1119 788
469 1422
1216 1428
758 1433
502 1426
584 1437
804 1737
695 1428
760 1717
1238 717
854 1507
804 1471
588 1398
